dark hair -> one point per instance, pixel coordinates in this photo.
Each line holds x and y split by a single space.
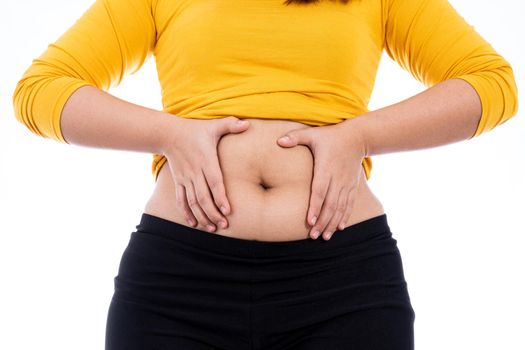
288 2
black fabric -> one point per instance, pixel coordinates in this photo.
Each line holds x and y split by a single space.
180 288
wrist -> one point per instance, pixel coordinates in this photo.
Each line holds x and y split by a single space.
167 130
354 131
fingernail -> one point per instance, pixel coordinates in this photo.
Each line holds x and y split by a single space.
240 121
222 223
223 209
210 227
341 226
284 138
191 222
314 219
315 234
327 235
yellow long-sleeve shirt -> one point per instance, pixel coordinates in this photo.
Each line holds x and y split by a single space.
315 64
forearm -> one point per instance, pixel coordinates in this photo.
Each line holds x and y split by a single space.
445 113
94 118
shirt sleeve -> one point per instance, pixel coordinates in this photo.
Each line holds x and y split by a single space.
432 41
111 38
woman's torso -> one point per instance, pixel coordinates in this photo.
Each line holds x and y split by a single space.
249 159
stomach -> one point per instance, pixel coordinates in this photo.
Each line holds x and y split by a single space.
268 186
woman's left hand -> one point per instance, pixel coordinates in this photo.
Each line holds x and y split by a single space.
338 153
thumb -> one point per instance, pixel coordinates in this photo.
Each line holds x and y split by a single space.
294 137
232 124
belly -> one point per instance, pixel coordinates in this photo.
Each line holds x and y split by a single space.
268 186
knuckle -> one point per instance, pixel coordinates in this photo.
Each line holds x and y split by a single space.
219 195
332 206
317 194
215 184
201 198
192 202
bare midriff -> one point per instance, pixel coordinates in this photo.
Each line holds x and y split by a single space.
268 186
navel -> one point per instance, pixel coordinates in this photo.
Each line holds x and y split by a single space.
264 186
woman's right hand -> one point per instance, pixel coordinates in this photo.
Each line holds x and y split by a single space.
191 154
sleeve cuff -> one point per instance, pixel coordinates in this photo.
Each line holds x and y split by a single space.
498 98
62 88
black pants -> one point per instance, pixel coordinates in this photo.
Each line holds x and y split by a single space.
180 288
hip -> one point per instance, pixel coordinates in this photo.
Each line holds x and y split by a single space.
180 287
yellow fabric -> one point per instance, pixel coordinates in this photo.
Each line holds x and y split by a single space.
315 64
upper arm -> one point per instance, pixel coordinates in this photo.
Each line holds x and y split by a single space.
111 39
432 41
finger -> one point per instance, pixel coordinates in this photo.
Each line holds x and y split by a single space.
346 215
351 202
352 194
204 198
180 195
212 210
195 207
320 185
213 175
301 136
337 215
231 124
327 210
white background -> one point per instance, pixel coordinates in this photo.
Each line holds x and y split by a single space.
66 212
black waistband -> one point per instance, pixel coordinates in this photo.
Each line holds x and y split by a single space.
370 229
